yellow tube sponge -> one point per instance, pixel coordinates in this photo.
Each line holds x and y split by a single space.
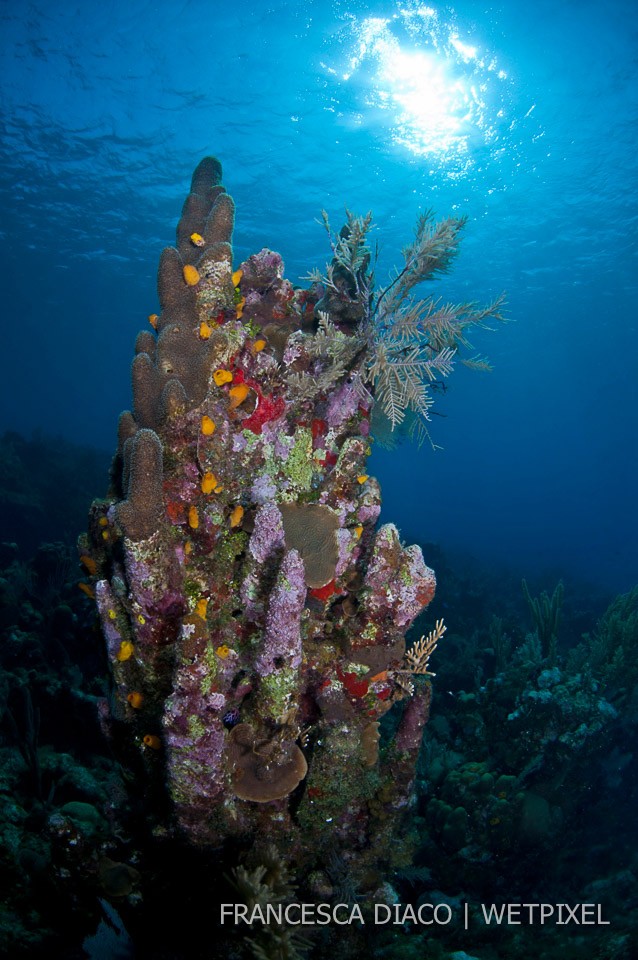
125 652
238 394
236 515
209 482
191 275
222 376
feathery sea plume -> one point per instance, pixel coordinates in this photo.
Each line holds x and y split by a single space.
410 344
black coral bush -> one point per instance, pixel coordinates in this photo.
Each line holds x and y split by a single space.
409 344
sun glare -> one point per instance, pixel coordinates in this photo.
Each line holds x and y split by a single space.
429 104
432 85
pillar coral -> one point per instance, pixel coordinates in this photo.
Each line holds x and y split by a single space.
238 558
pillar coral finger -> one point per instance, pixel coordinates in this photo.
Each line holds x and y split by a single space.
243 565
140 513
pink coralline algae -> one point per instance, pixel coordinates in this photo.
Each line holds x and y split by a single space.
282 636
268 533
237 557
415 716
399 583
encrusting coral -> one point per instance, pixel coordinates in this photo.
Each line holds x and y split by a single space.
254 615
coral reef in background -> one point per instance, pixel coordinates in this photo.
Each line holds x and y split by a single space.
527 762
59 784
254 614
525 789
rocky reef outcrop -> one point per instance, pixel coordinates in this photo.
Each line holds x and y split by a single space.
253 611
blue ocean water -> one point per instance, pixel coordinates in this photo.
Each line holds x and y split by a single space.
521 116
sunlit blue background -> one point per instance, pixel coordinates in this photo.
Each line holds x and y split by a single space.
522 116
